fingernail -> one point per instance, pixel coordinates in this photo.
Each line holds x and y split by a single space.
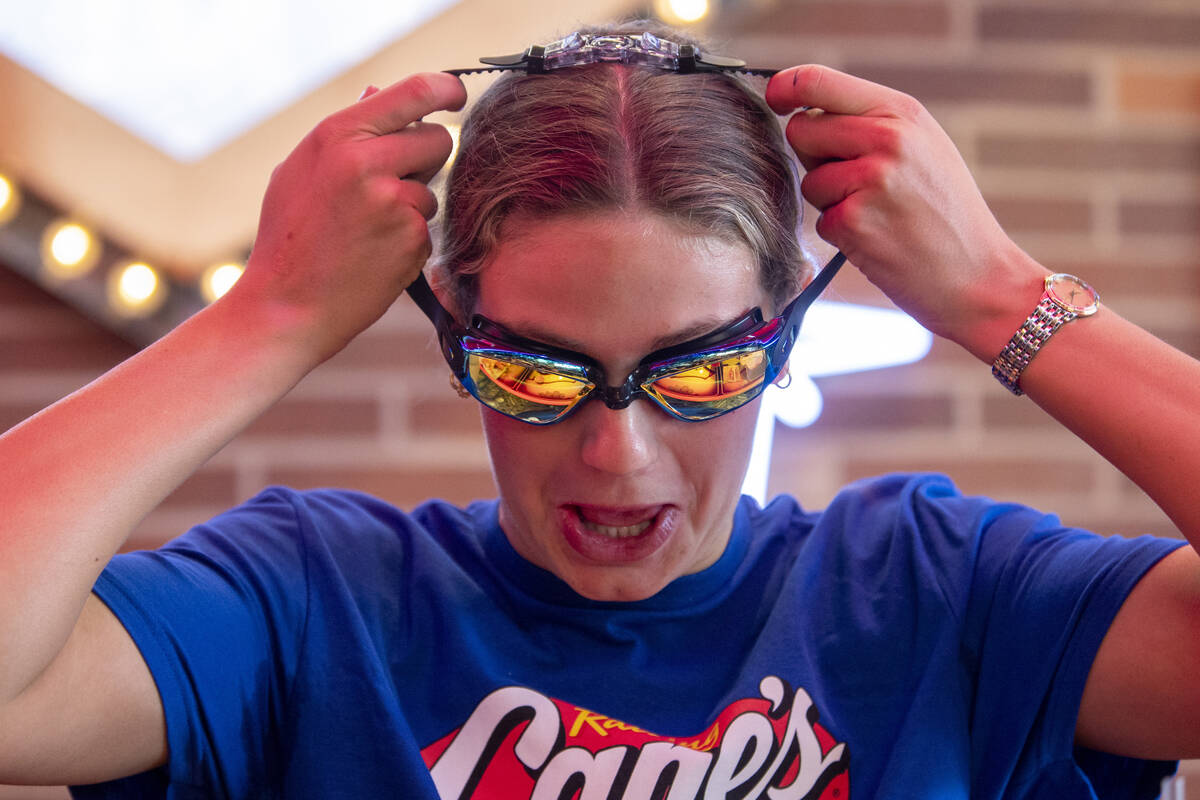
367 92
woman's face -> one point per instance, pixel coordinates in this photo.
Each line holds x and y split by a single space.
618 503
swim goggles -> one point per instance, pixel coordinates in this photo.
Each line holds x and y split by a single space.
694 381
644 49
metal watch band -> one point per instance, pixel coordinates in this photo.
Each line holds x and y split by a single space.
1047 318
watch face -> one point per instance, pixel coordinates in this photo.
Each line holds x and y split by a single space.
1072 294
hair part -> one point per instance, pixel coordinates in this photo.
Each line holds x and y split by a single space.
702 150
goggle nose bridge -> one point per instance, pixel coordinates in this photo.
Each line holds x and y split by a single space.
618 397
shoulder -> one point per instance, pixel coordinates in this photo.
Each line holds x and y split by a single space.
905 530
338 512
902 504
282 529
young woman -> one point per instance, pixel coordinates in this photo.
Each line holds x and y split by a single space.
615 286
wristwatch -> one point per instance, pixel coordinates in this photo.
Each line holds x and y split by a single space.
1065 298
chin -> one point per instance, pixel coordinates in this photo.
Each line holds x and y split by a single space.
614 588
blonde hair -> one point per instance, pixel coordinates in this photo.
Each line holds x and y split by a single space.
703 150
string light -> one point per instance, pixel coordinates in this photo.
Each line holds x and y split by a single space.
10 199
136 290
219 279
681 12
69 250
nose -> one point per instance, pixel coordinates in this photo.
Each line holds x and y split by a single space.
622 441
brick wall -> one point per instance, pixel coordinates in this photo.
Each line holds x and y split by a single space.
1081 121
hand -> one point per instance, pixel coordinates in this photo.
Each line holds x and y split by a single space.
896 197
344 228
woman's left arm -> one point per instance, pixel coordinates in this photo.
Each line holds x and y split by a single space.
896 197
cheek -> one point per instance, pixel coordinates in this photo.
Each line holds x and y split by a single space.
519 452
724 450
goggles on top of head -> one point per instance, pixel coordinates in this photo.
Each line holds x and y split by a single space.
694 381
645 49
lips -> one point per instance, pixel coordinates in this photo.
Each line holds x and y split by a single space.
616 535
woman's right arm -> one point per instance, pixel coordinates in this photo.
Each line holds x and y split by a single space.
343 231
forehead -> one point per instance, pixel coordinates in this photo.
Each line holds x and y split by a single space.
616 282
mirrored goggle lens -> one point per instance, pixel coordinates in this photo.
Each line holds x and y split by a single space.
525 390
712 387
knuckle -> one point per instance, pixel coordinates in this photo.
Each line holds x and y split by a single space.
353 165
876 172
889 139
811 187
840 223
826 228
416 237
382 198
412 204
324 133
421 90
907 107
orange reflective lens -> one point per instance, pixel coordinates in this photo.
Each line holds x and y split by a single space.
524 390
711 387
716 380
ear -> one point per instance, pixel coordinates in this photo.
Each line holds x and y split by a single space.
440 283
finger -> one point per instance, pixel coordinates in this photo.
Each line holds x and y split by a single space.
416 152
418 195
367 92
826 136
406 101
812 162
836 222
831 183
816 86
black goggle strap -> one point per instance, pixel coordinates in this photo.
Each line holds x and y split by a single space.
448 331
793 315
451 336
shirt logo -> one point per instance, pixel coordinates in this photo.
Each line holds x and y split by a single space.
519 743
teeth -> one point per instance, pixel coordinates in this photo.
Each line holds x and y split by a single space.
613 532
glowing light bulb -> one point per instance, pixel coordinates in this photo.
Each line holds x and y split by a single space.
138 283
10 200
69 250
219 279
136 290
70 245
676 12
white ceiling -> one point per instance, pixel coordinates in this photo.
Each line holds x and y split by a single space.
188 77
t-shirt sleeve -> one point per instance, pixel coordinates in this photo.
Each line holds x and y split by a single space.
1042 596
218 615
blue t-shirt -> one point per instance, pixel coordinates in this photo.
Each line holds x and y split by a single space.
906 642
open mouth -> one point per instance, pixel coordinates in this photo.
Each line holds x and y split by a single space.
613 531
608 534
